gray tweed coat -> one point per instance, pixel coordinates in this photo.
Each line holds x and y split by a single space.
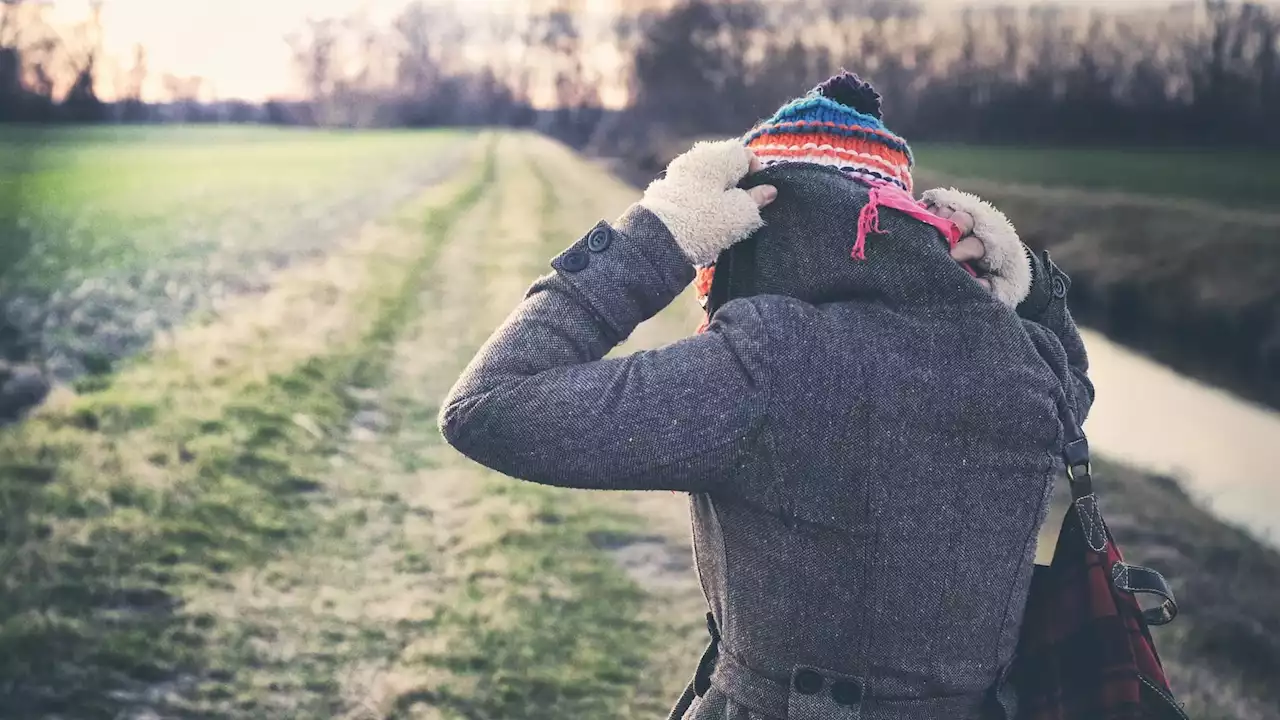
869 446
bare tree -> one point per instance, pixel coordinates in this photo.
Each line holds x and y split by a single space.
417 67
132 107
184 91
314 53
83 53
30 51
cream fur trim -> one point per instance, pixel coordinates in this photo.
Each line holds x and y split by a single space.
699 200
1006 261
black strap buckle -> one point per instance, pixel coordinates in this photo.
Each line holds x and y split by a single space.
1075 456
1136 579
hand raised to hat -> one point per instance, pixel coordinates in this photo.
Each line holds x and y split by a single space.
988 242
699 201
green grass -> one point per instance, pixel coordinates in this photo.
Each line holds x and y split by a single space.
98 546
101 198
1233 178
558 634
131 171
546 623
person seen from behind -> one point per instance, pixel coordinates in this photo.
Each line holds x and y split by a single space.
867 424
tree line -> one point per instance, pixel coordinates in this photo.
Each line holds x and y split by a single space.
1196 73
1202 73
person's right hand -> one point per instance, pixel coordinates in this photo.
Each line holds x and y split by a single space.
699 201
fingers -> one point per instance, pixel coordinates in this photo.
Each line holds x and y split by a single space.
763 194
964 221
961 218
719 164
985 282
969 249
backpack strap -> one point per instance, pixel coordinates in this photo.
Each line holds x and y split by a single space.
1079 470
701 681
1132 579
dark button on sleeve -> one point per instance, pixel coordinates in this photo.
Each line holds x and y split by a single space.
846 693
807 682
599 239
1059 286
574 260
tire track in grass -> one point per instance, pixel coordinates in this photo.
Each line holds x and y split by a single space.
341 629
297 635
122 507
538 623
658 557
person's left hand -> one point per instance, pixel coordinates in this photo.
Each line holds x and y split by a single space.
988 243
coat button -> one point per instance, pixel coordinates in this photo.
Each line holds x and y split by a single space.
599 239
807 682
1059 287
846 693
574 260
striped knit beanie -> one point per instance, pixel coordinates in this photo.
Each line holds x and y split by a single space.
838 123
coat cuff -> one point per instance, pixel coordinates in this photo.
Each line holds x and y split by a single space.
626 271
1049 285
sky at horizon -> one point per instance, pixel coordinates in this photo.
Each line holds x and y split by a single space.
239 47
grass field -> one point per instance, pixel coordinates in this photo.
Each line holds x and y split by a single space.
112 236
121 198
1230 178
255 516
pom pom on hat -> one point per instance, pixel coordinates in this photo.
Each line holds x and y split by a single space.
853 92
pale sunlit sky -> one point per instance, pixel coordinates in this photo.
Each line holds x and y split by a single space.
238 46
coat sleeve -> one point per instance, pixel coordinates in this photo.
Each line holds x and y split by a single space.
539 402
1048 317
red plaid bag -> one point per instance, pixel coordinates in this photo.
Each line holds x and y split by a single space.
1085 651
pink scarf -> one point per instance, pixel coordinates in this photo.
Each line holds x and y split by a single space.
890 196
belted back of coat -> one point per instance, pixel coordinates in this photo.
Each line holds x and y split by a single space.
872 557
